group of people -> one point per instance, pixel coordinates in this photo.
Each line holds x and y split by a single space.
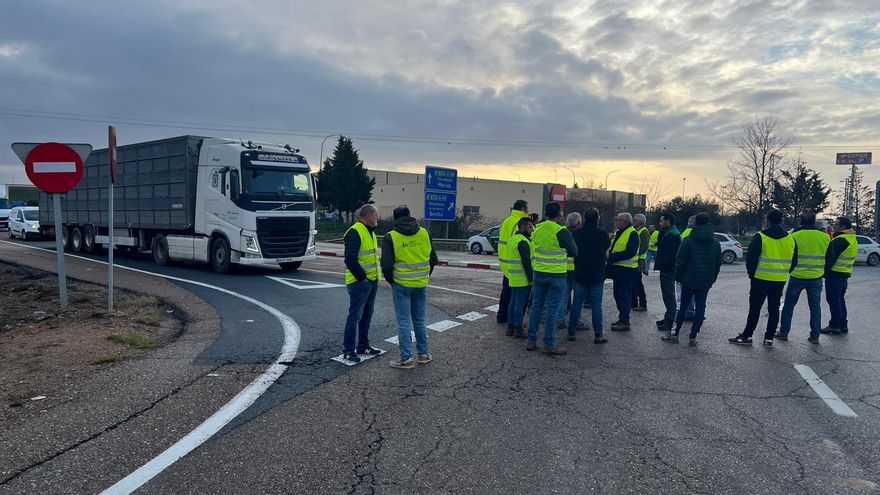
560 265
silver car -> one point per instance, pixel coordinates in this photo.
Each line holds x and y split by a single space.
869 250
731 249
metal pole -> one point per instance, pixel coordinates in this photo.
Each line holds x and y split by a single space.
110 253
321 158
59 250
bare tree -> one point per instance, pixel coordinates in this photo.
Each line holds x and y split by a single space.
654 189
751 173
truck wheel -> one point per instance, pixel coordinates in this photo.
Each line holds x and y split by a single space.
89 239
76 240
65 238
160 250
220 255
290 267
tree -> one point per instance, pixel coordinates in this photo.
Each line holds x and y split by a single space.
751 173
343 183
654 189
862 211
684 208
799 190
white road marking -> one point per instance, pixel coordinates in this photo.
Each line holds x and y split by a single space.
443 325
225 414
394 340
431 286
472 316
493 308
824 392
54 167
364 357
304 284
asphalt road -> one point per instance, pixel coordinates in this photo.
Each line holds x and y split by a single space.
633 416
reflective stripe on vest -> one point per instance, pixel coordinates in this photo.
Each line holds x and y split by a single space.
549 255
686 233
507 229
644 255
412 258
516 273
367 255
619 246
775 261
811 246
844 262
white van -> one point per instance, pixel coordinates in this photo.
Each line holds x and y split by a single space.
24 222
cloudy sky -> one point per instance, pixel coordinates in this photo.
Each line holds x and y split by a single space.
495 88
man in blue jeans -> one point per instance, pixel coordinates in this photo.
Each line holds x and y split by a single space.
589 272
362 282
408 258
553 245
806 274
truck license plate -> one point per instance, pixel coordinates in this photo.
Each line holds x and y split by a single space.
284 260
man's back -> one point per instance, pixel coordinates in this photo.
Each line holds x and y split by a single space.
699 259
589 265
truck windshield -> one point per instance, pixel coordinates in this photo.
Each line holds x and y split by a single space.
4 204
31 215
278 182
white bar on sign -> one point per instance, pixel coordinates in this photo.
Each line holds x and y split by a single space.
54 167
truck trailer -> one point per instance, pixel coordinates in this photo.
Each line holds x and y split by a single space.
192 198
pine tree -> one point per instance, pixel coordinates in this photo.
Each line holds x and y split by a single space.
343 183
799 190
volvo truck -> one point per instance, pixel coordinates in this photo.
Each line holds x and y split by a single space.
190 198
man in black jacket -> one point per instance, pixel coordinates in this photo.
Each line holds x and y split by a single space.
589 273
838 268
406 225
362 286
623 267
667 248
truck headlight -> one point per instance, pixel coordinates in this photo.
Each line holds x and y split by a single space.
250 243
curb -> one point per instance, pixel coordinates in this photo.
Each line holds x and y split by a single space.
457 264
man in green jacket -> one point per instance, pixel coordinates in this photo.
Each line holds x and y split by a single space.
696 268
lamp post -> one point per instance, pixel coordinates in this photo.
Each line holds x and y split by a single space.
517 175
682 186
608 175
573 178
321 163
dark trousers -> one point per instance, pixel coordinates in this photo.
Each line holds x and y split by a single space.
759 291
699 298
503 302
835 295
667 288
623 287
638 291
362 299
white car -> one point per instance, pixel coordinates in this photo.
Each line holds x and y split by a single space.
731 249
24 222
480 243
869 250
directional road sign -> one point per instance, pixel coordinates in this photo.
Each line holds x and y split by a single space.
863 158
53 167
441 179
439 206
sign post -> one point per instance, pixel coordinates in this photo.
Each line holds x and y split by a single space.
111 159
441 189
55 168
861 158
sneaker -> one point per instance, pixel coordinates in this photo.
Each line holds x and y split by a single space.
671 339
370 351
768 343
813 340
621 327
692 342
408 364
660 323
556 350
582 327
571 337
780 336
844 330
829 330
509 332
739 340
531 346
600 339
424 358
350 356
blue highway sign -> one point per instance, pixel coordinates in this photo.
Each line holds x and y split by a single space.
441 179
439 206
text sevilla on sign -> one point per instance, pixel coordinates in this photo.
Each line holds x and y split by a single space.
54 167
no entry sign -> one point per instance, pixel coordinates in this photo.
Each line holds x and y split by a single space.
53 167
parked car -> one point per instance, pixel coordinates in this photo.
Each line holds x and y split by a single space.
869 250
481 242
731 249
24 222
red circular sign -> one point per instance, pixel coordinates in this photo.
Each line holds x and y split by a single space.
54 167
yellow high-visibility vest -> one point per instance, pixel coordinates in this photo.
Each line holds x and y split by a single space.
775 261
550 257
516 272
368 257
619 246
644 255
652 243
811 247
844 262
505 232
412 258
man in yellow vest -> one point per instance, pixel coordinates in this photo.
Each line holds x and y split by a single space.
623 267
408 259
768 262
362 282
639 298
520 274
806 274
505 232
553 245
839 262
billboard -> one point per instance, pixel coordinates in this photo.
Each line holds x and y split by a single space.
862 158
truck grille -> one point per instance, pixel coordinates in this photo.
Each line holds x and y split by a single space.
283 237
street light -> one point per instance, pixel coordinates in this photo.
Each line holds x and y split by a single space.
573 178
517 175
608 175
682 186
321 163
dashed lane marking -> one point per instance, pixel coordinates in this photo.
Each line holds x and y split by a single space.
824 392
443 325
297 283
431 286
395 340
472 316
493 308
225 414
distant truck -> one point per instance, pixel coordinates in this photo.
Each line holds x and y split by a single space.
5 207
191 198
